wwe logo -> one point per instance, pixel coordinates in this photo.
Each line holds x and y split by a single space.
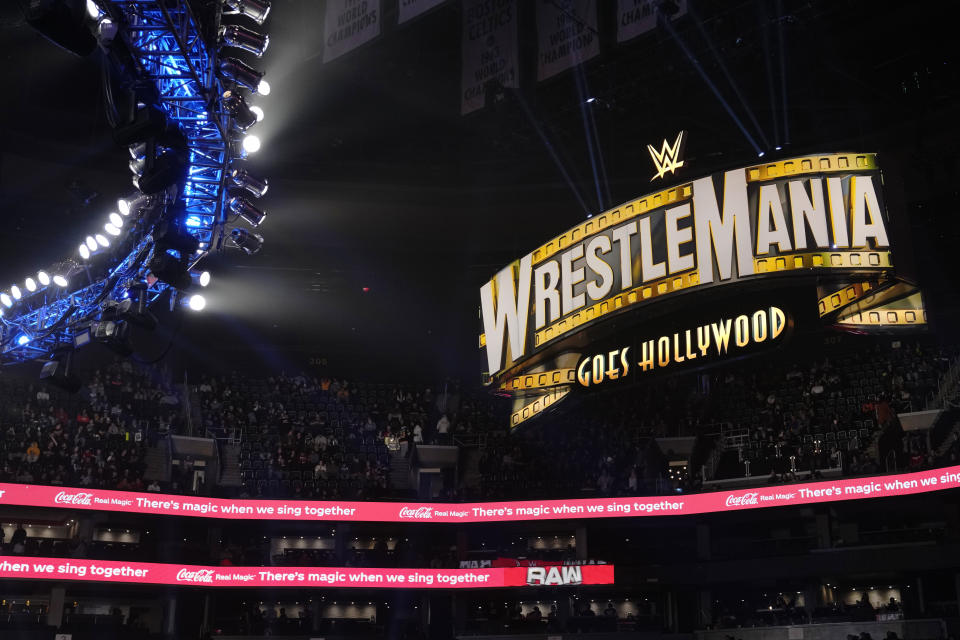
667 160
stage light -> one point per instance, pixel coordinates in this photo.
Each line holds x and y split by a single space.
56 371
132 203
241 73
249 242
31 284
197 302
84 252
6 300
243 208
263 88
15 292
92 9
115 335
251 144
168 170
257 111
243 116
245 180
43 277
239 37
201 278
137 165
102 240
116 220
111 229
60 281
256 10
23 339
91 243
106 30
63 23
168 269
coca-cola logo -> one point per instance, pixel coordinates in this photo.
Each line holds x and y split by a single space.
73 498
420 513
742 500
200 575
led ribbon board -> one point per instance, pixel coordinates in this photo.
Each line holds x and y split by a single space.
820 216
101 571
453 513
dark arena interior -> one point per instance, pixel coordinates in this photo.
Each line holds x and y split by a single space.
492 319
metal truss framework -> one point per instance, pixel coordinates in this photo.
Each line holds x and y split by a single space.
165 41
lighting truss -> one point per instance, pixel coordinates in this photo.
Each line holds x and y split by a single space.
165 41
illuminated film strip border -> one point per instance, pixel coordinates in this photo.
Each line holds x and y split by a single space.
690 279
820 163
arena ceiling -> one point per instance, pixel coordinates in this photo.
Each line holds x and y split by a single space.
388 208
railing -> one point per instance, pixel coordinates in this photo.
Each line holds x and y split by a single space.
470 439
947 387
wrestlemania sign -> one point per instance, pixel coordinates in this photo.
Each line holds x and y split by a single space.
817 218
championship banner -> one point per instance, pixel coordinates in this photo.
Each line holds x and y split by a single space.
818 217
489 50
567 35
107 571
349 24
636 17
410 9
519 511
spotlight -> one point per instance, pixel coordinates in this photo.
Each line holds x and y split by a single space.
31 284
196 302
91 243
84 252
257 111
251 144
23 339
6 300
249 242
263 88
92 9
242 208
168 170
243 115
56 372
170 236
60 281
245 180
62 22
43 277
132 203
15 292
256 10
115 335
111 229
166 268
201 278
102 240
137 165
116 220
240 37
761 154
106 30
242 73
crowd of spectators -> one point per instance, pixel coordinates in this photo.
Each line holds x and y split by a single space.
94 438
321 437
